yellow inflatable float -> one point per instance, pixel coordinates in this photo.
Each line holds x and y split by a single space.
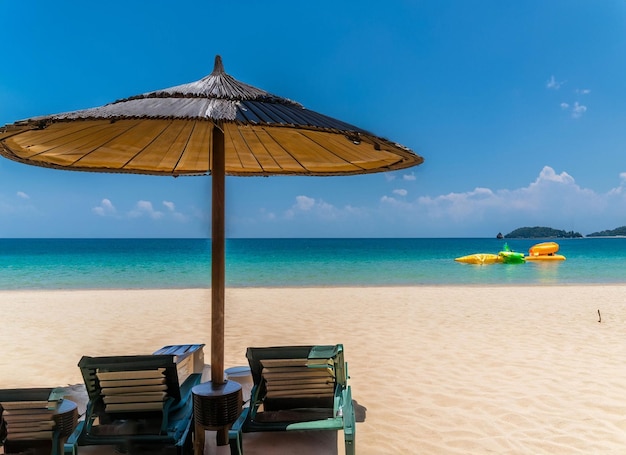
479 258
545 251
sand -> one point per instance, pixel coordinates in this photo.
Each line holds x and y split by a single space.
434 370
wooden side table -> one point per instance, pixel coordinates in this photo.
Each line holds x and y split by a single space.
215 407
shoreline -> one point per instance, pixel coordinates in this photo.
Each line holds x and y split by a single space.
313 287
464 369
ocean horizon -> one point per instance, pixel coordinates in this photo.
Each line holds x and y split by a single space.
32 264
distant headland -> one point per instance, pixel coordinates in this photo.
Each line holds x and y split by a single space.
617 232
542 232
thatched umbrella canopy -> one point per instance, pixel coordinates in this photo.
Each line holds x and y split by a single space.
216 125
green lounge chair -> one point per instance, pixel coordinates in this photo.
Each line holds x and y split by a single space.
138 402
297 388
35 420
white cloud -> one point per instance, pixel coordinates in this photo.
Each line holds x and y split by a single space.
304 203
171 207
310 207
548 174
578 110
400 192
409 177
141 209
553 84
105 208
552 199
8 206
145 208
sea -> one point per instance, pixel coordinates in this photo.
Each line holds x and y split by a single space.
31 264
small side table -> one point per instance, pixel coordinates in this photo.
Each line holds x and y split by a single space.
215 407
66 418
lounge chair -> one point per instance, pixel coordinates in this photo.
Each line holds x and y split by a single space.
139 401
35 420
297 388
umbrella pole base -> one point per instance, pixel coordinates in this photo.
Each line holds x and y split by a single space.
215 407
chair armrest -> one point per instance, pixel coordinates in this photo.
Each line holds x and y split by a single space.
70 447
235 433
349 419
170 407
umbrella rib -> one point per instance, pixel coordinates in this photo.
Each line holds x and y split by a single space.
43 152
248 146
108 142
330 122
180 156
330 151
262 114
286 115
290 116
264 147
248 113
269 133
145 146
297 117
182 152
88 127
270 113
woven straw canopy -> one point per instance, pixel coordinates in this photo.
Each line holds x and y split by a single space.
169 132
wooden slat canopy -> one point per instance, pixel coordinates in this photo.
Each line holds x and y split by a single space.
169 132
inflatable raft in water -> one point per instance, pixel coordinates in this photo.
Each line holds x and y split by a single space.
511 257
479 258
545 251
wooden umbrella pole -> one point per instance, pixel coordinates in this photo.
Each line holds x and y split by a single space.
218 183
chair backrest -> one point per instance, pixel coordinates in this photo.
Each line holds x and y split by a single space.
189 359
136 383
290 377
28 415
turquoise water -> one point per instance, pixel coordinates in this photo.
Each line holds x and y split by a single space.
185 263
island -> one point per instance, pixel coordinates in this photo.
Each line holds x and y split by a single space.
541 232
617 232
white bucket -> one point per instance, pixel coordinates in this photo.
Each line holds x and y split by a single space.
243 376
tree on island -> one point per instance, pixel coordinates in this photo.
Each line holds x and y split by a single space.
541 232
617 232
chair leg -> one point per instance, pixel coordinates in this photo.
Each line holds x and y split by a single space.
350 450
236 442
222 436
186 448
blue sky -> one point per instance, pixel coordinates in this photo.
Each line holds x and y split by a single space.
519 109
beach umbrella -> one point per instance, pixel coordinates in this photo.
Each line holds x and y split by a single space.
217 126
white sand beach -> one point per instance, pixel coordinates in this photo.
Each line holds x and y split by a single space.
434 370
